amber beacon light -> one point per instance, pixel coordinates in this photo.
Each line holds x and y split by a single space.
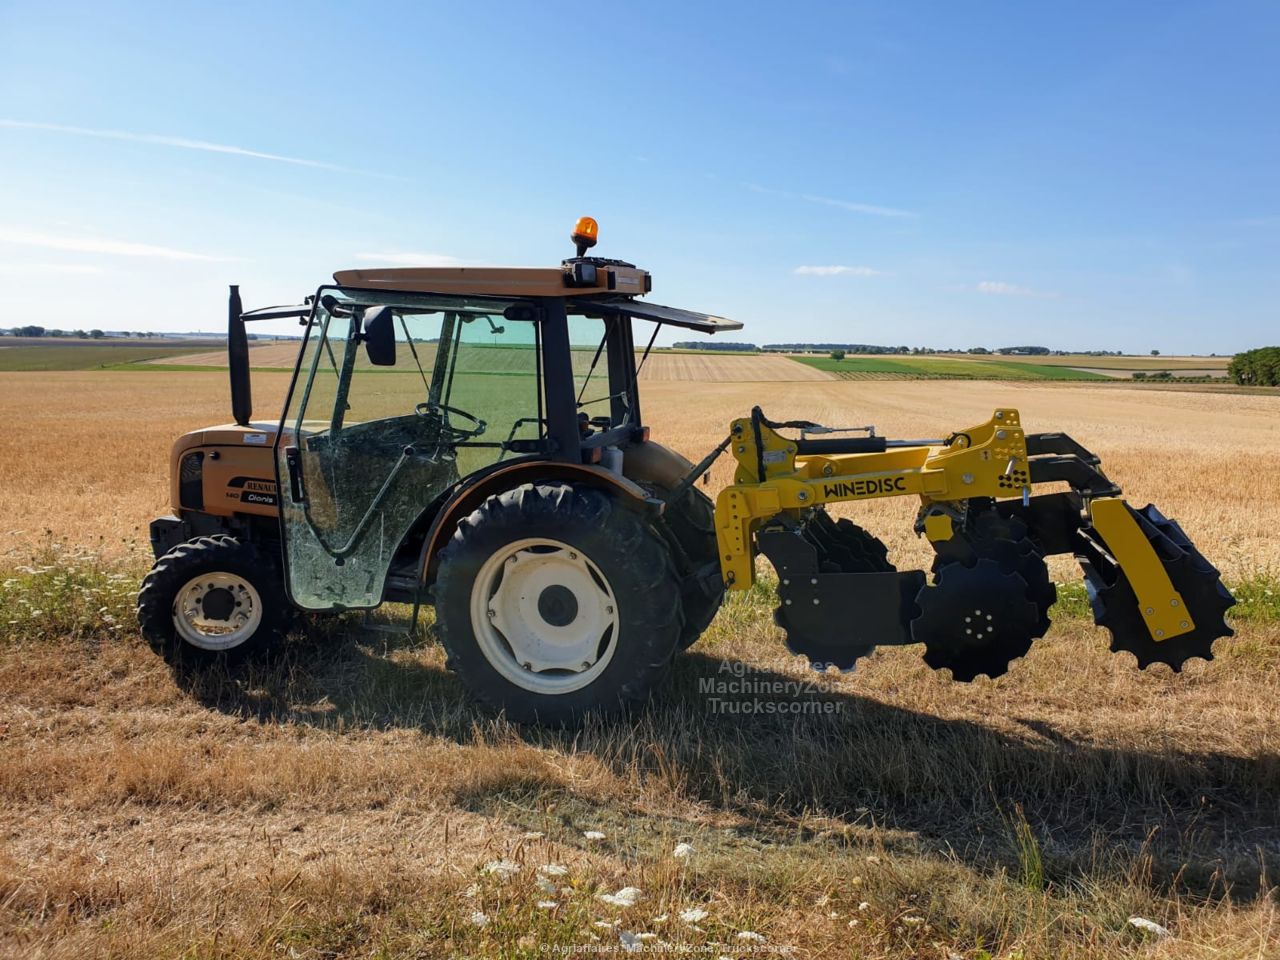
584 235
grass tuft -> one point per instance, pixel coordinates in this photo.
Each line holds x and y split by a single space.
1030 860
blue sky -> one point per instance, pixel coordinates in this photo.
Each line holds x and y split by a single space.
1089 175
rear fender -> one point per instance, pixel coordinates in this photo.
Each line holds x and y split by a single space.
480 486
651 462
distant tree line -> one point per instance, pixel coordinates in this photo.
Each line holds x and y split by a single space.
32 330
1259 368
715 345
828 347
873 348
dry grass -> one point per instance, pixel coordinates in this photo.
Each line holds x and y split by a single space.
343 800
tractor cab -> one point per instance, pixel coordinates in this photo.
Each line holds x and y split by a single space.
412 381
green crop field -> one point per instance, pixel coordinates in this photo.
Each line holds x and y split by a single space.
853 368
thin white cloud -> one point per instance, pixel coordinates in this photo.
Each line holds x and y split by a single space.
48 269
115 248
869 209
1001 289
408 258
835 270
162 140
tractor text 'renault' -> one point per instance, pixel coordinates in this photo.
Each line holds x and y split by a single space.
471 438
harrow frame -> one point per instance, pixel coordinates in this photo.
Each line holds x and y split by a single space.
780 480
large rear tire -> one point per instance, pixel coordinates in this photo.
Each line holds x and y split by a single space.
554 602
692 522
213 600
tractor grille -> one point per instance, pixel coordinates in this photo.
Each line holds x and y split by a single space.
191 481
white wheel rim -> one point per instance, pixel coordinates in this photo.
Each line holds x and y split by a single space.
544 616
217 611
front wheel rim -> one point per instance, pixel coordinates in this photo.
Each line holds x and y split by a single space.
544 616
217 611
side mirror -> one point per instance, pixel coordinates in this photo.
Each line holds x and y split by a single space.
380 336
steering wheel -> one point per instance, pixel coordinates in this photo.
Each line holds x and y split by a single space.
440 411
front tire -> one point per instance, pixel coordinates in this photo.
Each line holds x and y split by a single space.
555 602
213 600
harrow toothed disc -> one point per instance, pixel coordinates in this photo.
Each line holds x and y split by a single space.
975 619
1115 605
990 536
843 547
842 658
845 544
1172 530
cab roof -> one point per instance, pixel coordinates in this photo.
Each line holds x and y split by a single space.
607 287
496 281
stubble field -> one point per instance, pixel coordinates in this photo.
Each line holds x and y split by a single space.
86 458
346 799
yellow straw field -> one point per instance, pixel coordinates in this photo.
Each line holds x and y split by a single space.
88 462
346 800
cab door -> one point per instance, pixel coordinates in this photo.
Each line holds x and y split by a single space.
365 448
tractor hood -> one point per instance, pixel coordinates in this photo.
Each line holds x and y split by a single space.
224 471
256 434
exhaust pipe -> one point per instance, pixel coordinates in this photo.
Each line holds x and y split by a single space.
238 361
